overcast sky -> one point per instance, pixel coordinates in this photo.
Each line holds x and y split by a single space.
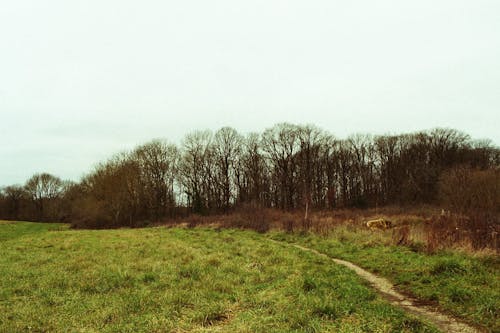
81 80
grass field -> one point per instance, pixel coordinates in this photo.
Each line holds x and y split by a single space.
178 280
463 284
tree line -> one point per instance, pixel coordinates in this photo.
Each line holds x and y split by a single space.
286 166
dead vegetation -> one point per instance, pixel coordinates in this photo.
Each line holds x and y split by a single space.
422 229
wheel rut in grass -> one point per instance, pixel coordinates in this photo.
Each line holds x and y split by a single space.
387 290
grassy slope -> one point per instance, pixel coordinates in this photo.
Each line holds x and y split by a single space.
162 280
466 286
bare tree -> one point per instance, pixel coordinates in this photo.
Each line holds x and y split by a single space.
310 174
254 175
330 162
43 188
158 163
13 197
228 149
281 143
287 167
113 193
363 179
196 169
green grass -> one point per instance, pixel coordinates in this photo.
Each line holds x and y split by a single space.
167 280
464 285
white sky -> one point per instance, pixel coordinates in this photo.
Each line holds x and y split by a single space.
81 80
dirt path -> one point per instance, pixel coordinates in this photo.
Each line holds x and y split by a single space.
442 321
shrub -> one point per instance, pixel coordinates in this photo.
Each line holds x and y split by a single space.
475 194
401 235
251 216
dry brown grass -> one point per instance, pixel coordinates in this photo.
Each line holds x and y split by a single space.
421 228
457 231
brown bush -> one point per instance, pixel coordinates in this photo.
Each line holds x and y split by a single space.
473 196
467 190
476 232
250 216
482 230
194 220
306 223
288 225
401 236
